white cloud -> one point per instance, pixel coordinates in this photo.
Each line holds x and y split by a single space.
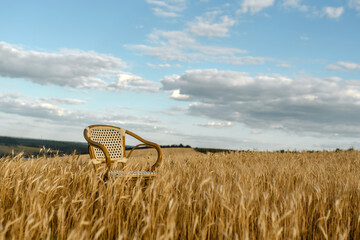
304 105
183 45
67 101
178 96
304 38
247 60
33 107
355 4
255 6
254 131
48 110
206 25
332 12
215 124
167 8
163 65
295 4
163 13
180 46
130 82
313 11
284 65
71 68
344 66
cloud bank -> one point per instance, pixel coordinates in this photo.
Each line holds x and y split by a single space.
70 68
303 105
48 109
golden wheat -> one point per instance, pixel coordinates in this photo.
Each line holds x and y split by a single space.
238 195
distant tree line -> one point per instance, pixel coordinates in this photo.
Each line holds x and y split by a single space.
213 150
64 147
162 146
61 147
175 146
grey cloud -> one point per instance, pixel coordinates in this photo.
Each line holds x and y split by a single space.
305 105
212 85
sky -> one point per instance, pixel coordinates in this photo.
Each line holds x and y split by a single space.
246 74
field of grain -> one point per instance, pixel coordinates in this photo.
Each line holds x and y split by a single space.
238 195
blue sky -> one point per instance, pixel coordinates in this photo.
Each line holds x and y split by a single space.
247 74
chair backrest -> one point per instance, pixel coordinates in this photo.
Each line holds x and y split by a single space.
113 138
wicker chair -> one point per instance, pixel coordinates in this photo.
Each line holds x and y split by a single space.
107 146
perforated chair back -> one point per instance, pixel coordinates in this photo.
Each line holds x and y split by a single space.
113 138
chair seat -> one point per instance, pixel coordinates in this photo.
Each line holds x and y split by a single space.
120 160
133 174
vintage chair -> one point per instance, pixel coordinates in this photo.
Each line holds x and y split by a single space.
107 146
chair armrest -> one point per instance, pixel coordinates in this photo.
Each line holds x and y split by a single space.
100 146
149 144
131 151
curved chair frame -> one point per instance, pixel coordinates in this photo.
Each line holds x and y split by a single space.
92 144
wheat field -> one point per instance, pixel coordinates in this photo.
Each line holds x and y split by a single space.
236 195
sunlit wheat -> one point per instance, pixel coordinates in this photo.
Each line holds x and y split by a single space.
237 195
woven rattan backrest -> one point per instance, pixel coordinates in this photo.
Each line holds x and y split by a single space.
111 137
